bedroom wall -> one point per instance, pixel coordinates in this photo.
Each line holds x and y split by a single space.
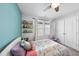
10 23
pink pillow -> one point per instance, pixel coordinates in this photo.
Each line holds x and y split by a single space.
31 53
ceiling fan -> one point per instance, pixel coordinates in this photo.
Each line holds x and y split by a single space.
54 6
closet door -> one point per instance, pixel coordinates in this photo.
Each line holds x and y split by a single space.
77 32
68 32
60 30
71 30
74 32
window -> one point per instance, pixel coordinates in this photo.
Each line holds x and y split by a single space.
43 28
47 27
40 28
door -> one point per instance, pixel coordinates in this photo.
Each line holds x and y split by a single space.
74 32
77 33
68 32
60 30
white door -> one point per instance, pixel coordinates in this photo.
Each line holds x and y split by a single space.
77 32
74 32
60 30
68 32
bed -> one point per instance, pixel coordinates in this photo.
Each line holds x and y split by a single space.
44 47
6 51
48 47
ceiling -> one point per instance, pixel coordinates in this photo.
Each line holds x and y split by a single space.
37 9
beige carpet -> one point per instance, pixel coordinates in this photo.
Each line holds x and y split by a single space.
74 52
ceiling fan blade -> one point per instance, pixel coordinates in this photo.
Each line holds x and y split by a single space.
48 7
57 9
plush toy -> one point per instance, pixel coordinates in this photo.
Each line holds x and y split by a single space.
26 45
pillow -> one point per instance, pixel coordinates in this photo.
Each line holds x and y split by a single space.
18 50
32 53
26 45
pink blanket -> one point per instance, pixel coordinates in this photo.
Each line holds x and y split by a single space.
31 53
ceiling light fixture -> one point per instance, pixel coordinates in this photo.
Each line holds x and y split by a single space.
55 6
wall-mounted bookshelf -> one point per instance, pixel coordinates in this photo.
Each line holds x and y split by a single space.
27 26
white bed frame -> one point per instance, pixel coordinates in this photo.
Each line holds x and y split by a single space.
6 51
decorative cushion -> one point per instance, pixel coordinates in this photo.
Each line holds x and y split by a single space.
31 53
26 45
17 50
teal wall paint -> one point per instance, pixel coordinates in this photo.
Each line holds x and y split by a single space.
10 23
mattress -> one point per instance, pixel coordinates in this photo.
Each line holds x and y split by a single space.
47 47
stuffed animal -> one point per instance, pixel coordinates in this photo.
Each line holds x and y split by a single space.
26 45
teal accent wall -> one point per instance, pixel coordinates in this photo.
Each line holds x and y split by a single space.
10 23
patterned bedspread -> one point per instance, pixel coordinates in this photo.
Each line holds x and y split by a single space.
48 47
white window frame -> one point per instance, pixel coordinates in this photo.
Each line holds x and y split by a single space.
44 29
